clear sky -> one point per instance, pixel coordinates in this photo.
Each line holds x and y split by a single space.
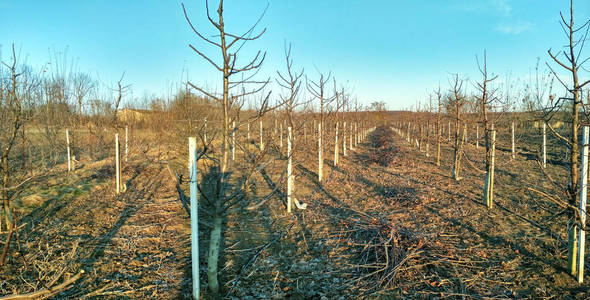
392 51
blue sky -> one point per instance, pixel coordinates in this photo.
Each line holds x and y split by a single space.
392 51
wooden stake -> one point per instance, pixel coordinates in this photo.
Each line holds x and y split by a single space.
281 137
344 139
492 166
544 145
117 164
476 136
336 145
233 140
289 170
350 141
205 132
248 135
69 151
261 142
356 135
512 139
449 132
192 167
583 196
320 159
126 142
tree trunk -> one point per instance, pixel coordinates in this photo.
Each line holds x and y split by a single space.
213 257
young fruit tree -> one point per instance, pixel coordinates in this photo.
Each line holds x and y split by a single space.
484 101
224 187
455 102
571 62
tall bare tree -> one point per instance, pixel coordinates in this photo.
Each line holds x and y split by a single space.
484 101
456 101
438 125
573 62
318 90
228 190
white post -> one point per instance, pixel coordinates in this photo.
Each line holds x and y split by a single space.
583 196
261 142
69 152
126 142
233 140
320 159
281 137
356 135
449 132
336 146
476 136
350 141
205 132
192 167
512 139
344 139
465 133
289 170
544 145
117 164
248 136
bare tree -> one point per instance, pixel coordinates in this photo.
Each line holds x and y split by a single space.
483 102
318 91
438 125
121 90
229 191
16 98
576 36
291 81
82 85
456 101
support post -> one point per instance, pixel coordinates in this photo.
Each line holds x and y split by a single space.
233 140
344 139
350 141
449 132
117 164
69 151
192 166
320 159
336 145
477 136
544 145
205 132
261 141
289 170
512 140
281 137
356 135
583 196
126 142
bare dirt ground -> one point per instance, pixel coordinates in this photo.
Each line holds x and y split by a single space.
404 230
